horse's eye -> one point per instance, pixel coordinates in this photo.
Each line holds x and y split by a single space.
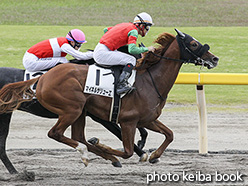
194 45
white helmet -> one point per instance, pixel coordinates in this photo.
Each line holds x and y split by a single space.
143 18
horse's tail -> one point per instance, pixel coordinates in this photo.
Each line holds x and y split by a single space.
13 94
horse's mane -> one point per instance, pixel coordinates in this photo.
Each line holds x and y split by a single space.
164 40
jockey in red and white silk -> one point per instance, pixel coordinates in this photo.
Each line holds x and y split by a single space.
48 53
119 35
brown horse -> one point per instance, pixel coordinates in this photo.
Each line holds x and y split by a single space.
61 91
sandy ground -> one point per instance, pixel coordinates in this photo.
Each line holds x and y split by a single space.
31 150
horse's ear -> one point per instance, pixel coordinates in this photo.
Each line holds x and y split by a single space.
180 34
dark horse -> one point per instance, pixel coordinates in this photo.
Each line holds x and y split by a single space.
11 75
60 91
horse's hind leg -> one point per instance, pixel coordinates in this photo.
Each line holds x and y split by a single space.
78 134
57 132
159 127
4 130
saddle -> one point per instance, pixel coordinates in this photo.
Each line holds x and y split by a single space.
102 81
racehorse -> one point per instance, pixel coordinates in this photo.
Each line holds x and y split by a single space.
60 91
11 75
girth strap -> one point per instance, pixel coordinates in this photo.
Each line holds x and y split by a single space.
116 101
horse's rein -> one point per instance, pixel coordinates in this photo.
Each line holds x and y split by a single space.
159 95
197 61
178 60
167 58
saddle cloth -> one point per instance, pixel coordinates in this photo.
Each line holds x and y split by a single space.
100 81
31 75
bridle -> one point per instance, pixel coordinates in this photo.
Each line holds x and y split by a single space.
197 61
183 48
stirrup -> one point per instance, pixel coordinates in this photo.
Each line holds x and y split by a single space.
124 90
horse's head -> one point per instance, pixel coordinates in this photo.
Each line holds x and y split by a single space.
193 50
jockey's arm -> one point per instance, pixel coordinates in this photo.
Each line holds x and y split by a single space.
75 53
132 39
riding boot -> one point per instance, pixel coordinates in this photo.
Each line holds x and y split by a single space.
123 86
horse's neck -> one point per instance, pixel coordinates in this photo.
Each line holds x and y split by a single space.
165 72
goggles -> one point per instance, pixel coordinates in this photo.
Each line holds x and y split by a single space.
77 44
147 27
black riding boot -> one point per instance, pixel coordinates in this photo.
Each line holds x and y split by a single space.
123 86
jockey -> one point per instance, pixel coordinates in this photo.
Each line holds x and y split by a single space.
119 35
48 53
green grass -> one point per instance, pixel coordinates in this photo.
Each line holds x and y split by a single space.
220 23
228 43
165 13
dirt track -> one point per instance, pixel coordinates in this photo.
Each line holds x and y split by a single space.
55 164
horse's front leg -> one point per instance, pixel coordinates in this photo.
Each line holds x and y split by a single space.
116 130
143 135
77 133
159 127
128 133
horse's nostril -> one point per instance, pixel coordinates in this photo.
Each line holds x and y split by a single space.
215 59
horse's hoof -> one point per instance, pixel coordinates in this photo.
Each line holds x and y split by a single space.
85 161
26 175
154 160
117 164
143 157
93 141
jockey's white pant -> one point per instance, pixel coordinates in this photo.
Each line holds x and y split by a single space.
33 63
103 56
